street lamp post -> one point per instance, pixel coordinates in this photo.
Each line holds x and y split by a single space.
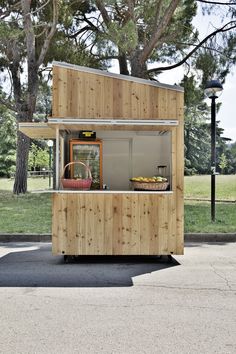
50 145
213 88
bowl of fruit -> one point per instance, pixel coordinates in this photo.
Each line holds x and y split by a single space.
155 183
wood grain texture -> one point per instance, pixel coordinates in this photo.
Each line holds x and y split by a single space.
179 191
77 127
113 224
37 130
78 94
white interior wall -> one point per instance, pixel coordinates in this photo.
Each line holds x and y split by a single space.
128 154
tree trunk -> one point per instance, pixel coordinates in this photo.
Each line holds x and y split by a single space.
187 142
123 65
23 145
25 94
138 68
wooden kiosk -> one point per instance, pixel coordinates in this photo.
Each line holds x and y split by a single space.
140 125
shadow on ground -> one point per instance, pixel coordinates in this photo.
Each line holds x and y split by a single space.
33 265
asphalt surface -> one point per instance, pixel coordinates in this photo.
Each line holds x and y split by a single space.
118 305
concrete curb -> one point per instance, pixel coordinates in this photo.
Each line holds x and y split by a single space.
25 237
219 237
193 237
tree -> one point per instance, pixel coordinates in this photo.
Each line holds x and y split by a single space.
196 129
44 102
7 142
223 163
197 132
25 40
226 158
232 157
31 37
38 157
136 32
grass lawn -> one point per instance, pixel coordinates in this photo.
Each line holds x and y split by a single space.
35 183
197 217
198 214
31 213
200 187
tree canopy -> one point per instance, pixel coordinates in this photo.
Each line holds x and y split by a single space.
93 33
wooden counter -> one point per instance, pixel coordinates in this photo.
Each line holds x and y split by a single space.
115 223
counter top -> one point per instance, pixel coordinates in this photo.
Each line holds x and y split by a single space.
112 192
102 191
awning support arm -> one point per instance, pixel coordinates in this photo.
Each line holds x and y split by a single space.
57 157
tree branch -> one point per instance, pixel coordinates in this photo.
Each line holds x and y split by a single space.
90 23
131 8
50 34
84 29
7 104
159 30
220 30
157 14
105 57
41 33
217 2
90 27
209 48
102 9
29 31
41 7
11 8
14 67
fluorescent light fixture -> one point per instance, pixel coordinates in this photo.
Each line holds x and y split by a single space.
139 122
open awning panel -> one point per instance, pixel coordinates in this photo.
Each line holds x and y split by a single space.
37 130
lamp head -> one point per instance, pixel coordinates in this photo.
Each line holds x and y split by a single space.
50 143
212 89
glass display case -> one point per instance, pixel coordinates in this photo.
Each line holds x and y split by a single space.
90 153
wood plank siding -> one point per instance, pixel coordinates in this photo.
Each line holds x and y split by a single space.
37 130
114 224
79 94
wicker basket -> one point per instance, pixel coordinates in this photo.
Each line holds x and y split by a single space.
80 184
150 186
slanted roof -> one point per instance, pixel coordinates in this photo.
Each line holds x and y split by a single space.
117 76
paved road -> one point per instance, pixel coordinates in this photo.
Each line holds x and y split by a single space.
118 305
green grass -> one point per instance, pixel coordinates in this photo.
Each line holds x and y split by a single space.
31 213
198 217
200 187
34 183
